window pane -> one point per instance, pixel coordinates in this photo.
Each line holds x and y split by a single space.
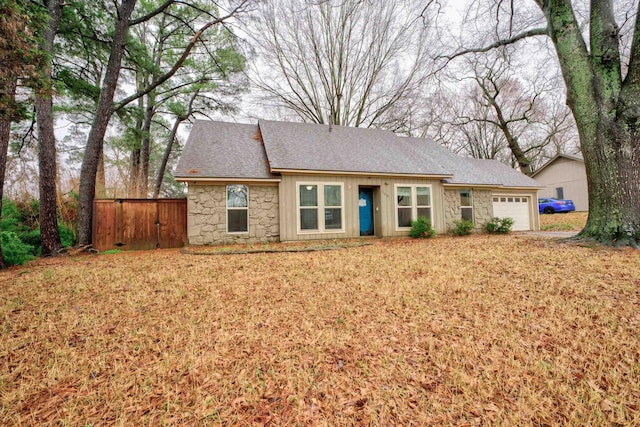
237 221
404 217
237 196
332 196
465 198
333 218
308 195
426 212
308 219
404 196
467 214
510 199
424 196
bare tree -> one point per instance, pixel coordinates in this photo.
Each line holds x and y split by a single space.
602 80
507 112
345 62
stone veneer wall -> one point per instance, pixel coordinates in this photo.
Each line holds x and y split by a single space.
482 208
207 215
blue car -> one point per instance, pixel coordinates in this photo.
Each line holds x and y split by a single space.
551 205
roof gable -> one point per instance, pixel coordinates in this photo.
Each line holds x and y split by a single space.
575 157
223 150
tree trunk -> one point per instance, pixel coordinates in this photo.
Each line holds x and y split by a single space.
95 140
172 139
145 152
101 179
9 91
165 157
135 150
607 113
49 233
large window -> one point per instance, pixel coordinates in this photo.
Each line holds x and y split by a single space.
412 201
466 205
237 208
320 207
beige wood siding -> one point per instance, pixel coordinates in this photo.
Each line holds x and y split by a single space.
571 176
385 215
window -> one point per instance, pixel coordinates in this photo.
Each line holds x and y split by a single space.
405 207
560 193
237 208
466 205
412 202
320 207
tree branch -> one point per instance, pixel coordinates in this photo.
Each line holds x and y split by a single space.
534 32
151 14
185 54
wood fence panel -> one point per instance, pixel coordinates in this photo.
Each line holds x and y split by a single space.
135 224
172 216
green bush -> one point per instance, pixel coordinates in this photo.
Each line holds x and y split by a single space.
499 225
421 227
32 238
11 219
67 236
463 227
14 250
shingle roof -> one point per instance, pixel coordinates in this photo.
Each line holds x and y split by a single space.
240 151
223 150
304 146
506 176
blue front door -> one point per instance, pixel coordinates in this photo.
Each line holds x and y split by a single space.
365 204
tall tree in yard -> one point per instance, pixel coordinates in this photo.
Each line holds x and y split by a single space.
106 105
603 92
95 140
19 60
154 48
49 233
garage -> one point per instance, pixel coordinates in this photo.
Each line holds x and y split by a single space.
515 207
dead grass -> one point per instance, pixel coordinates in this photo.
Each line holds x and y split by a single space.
571 221
480 330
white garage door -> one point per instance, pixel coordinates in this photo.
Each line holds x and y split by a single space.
516 207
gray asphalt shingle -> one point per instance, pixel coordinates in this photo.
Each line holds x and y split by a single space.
236 151
223 150
304 146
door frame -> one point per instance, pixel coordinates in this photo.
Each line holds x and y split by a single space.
375 209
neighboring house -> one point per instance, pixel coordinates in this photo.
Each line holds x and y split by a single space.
565 177
278 181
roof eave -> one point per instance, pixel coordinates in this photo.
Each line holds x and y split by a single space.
496 186
382 174
223 179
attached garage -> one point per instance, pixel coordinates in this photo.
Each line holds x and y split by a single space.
517 207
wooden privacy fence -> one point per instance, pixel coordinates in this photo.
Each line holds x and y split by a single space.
139 224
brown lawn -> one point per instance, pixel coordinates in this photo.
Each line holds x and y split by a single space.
571 221
479 330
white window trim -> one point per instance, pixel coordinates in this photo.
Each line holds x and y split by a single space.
473 211
321 227
414 203
228 208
